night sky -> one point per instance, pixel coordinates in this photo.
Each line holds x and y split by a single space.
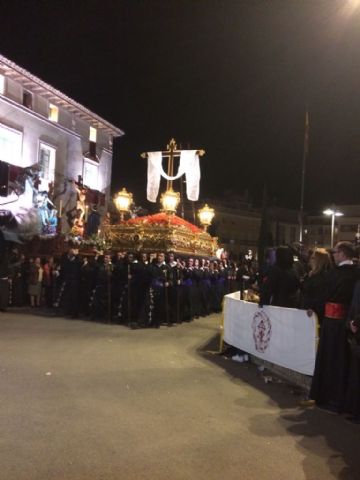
232 77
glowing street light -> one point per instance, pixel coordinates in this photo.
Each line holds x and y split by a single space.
123 201
206 215
333 214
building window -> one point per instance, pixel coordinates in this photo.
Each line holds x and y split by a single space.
92 134
47 157
27 99
90 174
92 150
92 143
53 113
10 145
2 84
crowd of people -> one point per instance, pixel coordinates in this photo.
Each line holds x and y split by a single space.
136 290
327 283
147 291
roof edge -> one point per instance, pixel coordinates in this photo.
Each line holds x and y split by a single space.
116 132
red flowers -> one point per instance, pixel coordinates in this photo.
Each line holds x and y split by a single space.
164 219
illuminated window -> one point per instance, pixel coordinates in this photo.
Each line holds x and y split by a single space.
10 145
2 84
47 156
92 134
90 174
53 113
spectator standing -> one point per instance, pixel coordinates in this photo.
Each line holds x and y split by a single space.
332 359
35 282
280 287
48 282
352 404
316 283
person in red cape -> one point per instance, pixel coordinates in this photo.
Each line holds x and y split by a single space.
332 361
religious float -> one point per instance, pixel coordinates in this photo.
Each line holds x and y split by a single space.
160 232
46 222
165 231
33 215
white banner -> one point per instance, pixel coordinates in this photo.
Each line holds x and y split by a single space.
189 165
283 336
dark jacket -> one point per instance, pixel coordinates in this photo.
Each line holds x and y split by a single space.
280 288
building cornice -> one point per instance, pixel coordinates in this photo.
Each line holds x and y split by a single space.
36 85
38 116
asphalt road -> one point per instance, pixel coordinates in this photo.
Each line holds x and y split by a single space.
83 400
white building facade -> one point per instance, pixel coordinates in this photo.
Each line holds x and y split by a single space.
41 126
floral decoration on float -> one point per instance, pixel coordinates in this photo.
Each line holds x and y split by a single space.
164 219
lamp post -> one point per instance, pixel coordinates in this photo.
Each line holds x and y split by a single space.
170 201
333 213
123 201
206 215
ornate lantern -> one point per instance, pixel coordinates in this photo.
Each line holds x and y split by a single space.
170 201
206 215
123 201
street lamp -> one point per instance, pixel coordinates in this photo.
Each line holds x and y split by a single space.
206 215
333 214
123 201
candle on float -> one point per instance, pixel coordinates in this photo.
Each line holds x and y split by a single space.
60 209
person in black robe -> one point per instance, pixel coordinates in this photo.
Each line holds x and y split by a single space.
175 288
204 288
100 303
160 281
352 401
221 284
48 281
332 360
67 298
142 282
231 272
213 274
131 298
244 277
191 282
186 287
281 285
196 293
17 270
88 282
119 280
93 222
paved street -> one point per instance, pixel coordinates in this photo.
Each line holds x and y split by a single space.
82 400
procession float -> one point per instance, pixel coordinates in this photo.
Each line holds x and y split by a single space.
46 222
165 231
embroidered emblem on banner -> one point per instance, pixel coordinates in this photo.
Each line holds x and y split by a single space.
261 327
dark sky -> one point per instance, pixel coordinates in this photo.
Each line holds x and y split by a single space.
232 77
